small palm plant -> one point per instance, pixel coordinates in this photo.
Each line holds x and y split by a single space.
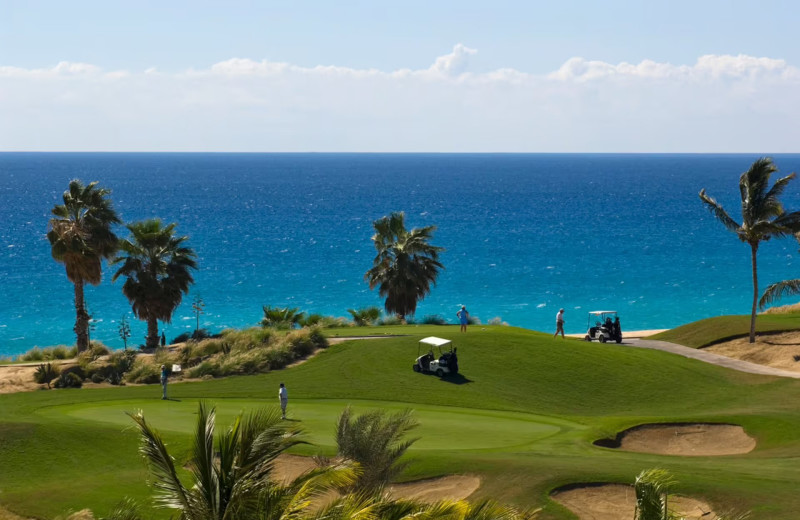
281 317
652 489
366 316
46 373
375 440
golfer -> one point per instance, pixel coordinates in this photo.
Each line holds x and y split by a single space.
164 381
463 315
283 395
559 323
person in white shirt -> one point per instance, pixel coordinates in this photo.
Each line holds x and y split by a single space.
283 395
559 323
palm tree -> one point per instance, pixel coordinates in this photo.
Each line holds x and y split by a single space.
281 317
80 237
375 440
763 216
157 267
232 479
406 264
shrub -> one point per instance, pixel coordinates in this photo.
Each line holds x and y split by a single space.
206 368
144 373
281 317
329 322
390 320
311 320
365 316
34 354
181 338
473 320
69 380
78 370
46 373
434 319
497 321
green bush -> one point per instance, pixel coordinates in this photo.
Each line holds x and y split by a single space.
365 316
390 320
69 380
34 354
143 373
434 319
45 373
206 368
311 320
329 322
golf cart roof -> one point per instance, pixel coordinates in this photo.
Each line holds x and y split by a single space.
434 341
602 312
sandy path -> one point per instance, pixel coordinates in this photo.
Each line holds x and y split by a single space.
618 502
780 351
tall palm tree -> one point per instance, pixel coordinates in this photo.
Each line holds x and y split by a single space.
405 266
763 216
232 479
80 237
158 267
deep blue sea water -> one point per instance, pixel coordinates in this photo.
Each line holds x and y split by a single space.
524 235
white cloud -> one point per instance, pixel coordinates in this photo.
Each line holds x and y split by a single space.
454 63
242 104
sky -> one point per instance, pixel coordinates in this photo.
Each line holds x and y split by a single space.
400 76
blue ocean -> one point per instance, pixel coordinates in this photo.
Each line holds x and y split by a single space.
524 235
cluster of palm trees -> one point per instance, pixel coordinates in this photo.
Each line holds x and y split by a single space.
155 262
763 218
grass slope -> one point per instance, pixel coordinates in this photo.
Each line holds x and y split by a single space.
523 414
723 328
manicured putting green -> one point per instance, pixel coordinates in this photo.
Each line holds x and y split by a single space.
441 427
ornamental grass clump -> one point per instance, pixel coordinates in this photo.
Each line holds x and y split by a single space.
46 373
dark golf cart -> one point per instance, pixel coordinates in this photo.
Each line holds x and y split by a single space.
604 326
445 363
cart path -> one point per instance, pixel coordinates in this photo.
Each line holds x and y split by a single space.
708 357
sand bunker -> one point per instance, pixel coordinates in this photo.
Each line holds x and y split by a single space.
618 502
780 350
453 487
687 440
17 378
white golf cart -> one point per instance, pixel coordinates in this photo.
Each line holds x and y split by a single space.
604 326
445 363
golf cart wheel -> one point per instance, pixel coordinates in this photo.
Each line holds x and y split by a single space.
416 368
440 372
587 338
619 340
602 338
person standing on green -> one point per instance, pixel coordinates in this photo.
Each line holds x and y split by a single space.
559 323
164 375
463 316
283 395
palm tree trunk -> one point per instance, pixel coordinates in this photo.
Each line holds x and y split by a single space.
81 318
152 333
753 250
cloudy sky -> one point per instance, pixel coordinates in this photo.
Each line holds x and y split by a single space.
400 76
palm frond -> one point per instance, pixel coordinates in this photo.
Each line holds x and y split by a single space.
170 491
719 212
778 290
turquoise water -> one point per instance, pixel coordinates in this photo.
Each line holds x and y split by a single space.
524 235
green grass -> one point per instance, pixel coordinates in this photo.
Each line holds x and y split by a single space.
523 415
723 328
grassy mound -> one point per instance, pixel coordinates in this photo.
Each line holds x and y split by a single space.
723 328
522 414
